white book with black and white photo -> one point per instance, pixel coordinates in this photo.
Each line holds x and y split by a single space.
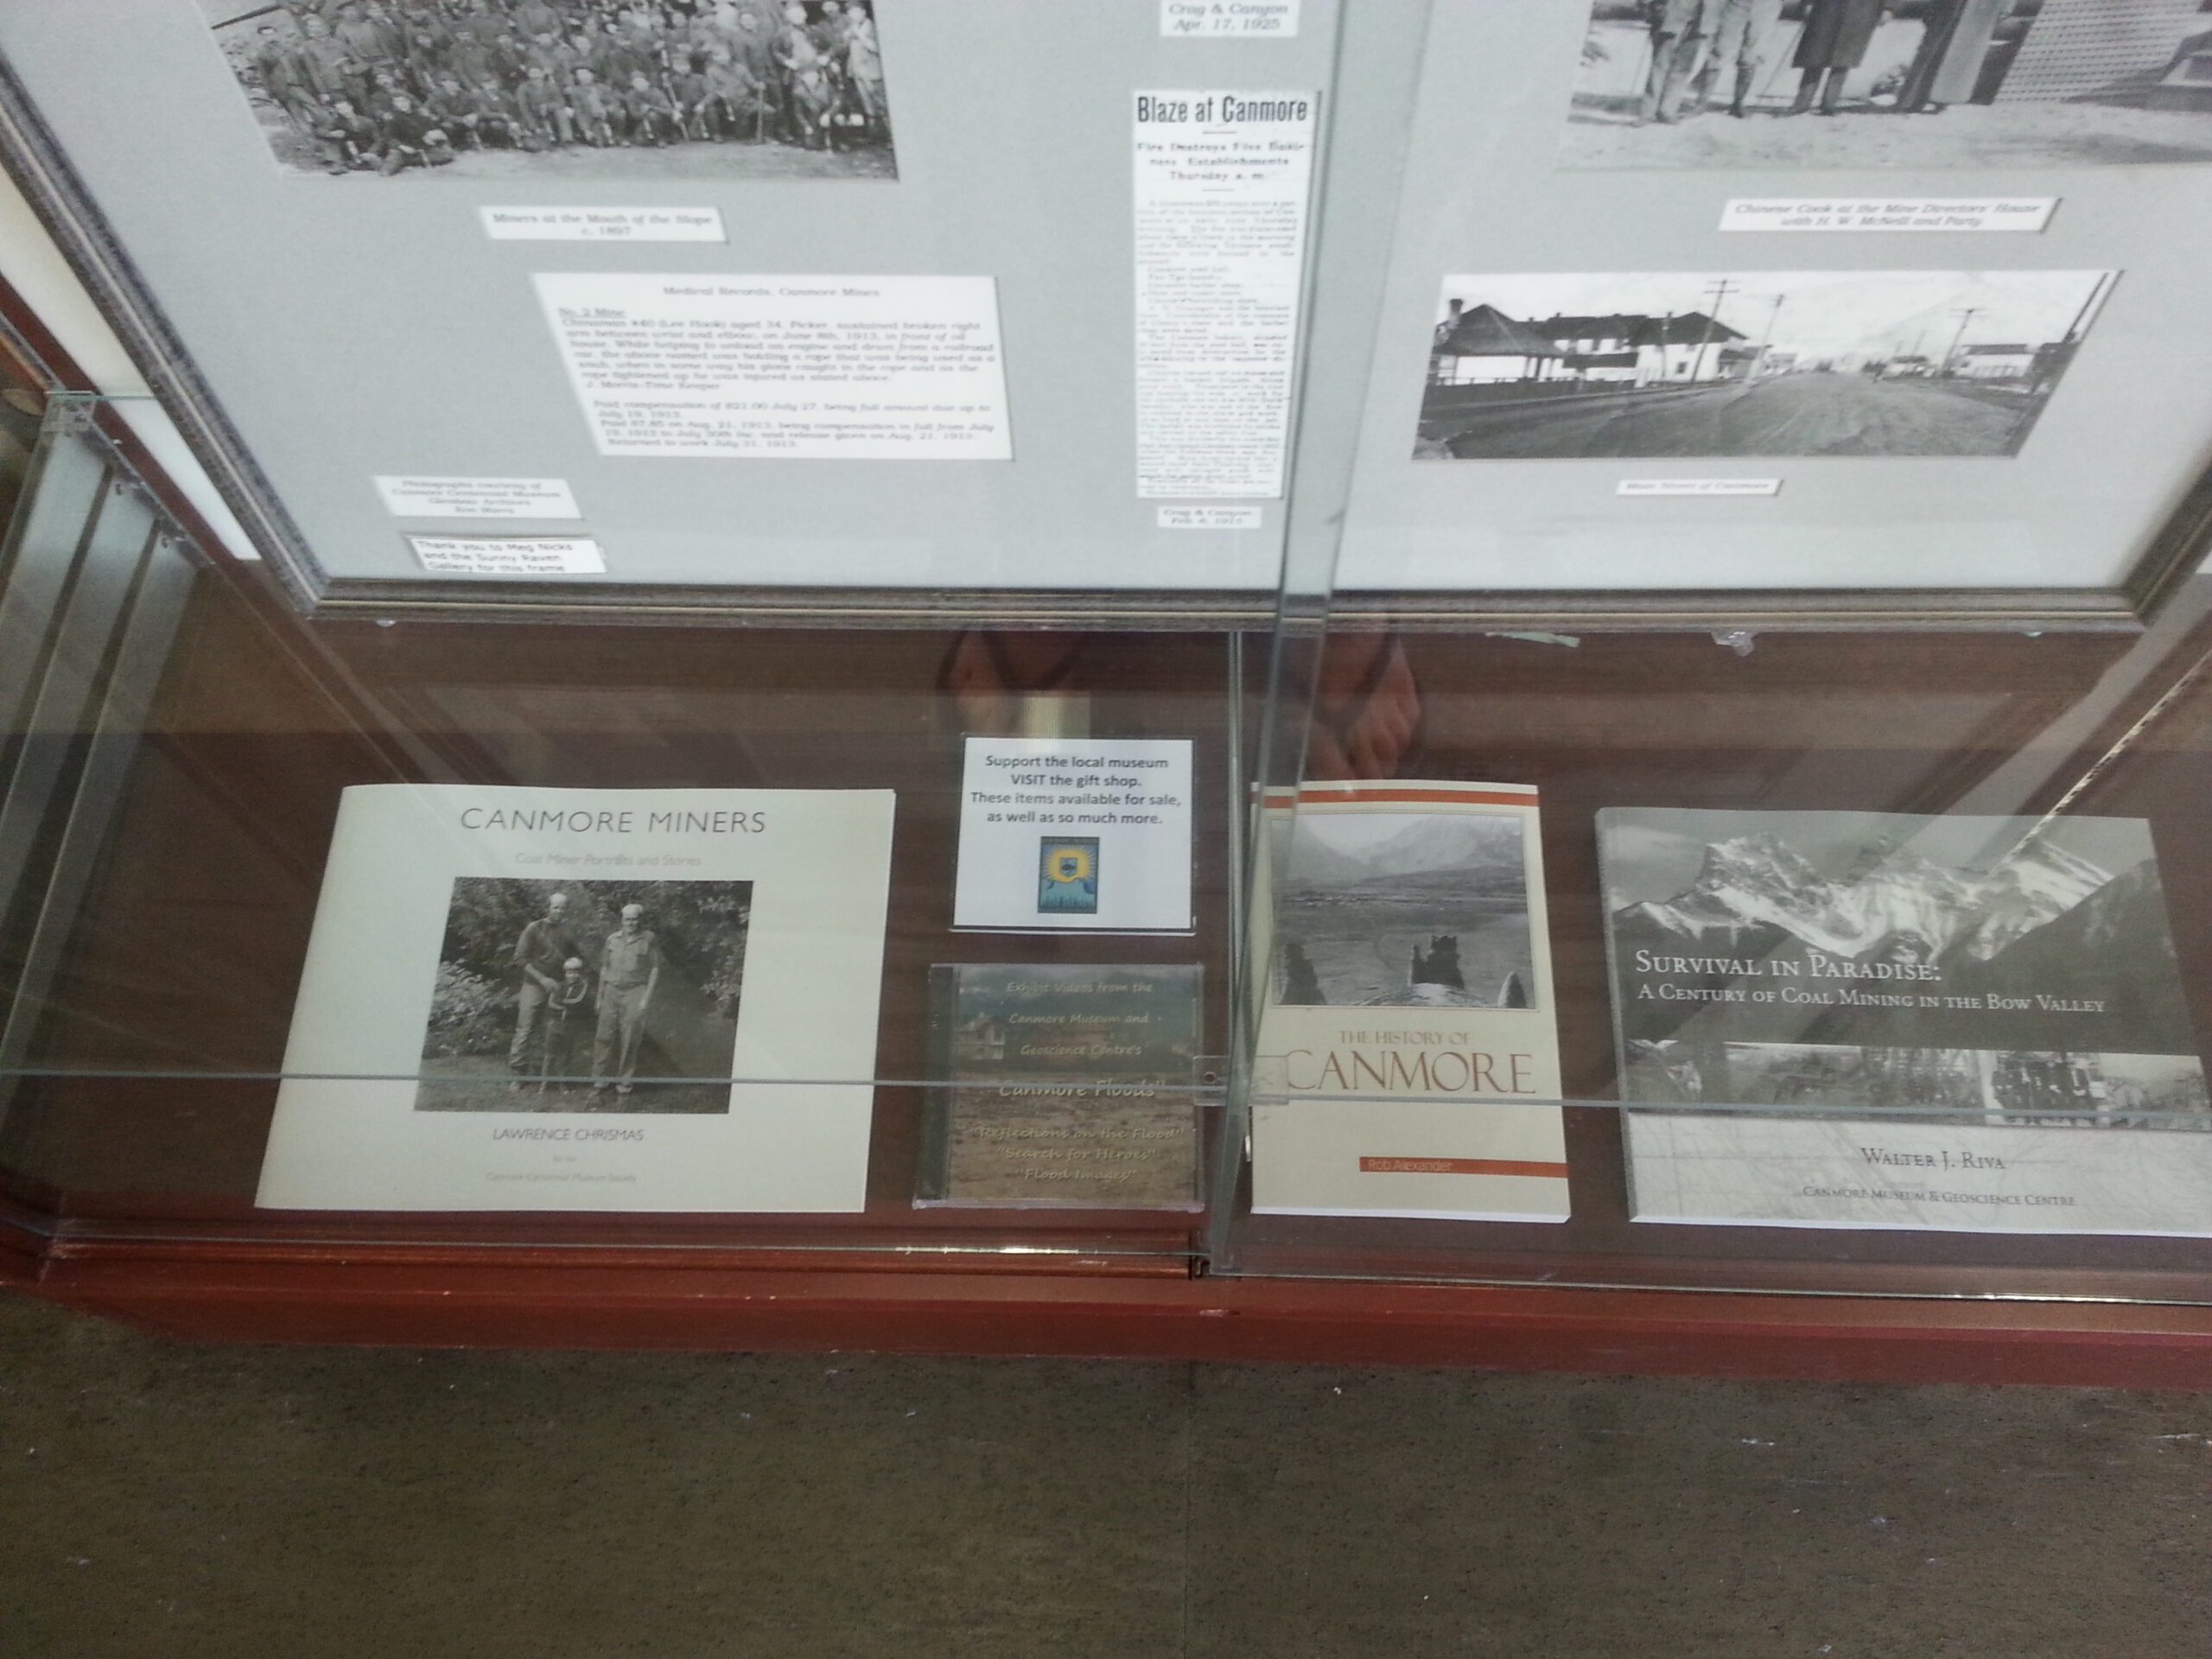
569 999
1409 1056
1879 1020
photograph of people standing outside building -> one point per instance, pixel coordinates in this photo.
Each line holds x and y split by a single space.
563 88
1747 83
1749 363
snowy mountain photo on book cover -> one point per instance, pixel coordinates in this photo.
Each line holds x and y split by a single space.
1991 968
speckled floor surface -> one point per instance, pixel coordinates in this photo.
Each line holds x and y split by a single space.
172 1503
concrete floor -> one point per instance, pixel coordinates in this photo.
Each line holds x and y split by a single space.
172 1502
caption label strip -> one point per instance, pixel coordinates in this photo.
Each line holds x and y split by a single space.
2026 214
418 497
1241 20
509 556
603 224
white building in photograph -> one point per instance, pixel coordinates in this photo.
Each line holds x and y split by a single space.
1480 345
1683 349
2134 51
2005 362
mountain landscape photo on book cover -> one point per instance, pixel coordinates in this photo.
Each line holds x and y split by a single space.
1406 909
1994 967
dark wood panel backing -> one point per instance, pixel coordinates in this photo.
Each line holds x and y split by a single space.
21 1252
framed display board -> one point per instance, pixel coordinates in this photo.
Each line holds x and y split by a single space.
1856 306
840 306
1619 312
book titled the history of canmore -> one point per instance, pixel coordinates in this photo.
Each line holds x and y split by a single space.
1408 1058
1062 1085
571 999
1875 1019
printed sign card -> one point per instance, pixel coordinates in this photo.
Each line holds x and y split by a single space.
1075 833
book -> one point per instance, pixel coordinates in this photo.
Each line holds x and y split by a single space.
1951 1023
1065 1085
609 1000
1409 1056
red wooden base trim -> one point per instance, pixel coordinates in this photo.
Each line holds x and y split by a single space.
18 1262
671 1304
22 1245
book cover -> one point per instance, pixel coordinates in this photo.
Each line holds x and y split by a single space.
1065 1086
613 1000
1915 1020
1409 1055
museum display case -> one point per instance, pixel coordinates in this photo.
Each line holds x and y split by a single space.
1368 681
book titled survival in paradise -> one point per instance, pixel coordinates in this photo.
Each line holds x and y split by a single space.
1943 1022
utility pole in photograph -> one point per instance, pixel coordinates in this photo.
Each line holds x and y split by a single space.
1766 339
1965 317
1722 288
2074 329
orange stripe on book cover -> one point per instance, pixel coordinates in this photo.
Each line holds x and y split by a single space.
1462 1167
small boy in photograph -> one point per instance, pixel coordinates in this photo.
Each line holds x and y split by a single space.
566 1022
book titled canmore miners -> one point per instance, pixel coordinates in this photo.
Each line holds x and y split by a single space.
1871 1020
1066 1086
1409 1060
587 999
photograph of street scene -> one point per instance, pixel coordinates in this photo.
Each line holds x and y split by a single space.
1749 363
564 89
1892 83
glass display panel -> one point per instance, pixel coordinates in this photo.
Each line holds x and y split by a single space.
1690 298
1855 963
431 930
1609 308
970 322
1410 640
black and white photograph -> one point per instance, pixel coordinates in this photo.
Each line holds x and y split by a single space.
1935 1081
1741 364
1892 83
1887 931
2048 1088
586 996
563 89
1405 910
